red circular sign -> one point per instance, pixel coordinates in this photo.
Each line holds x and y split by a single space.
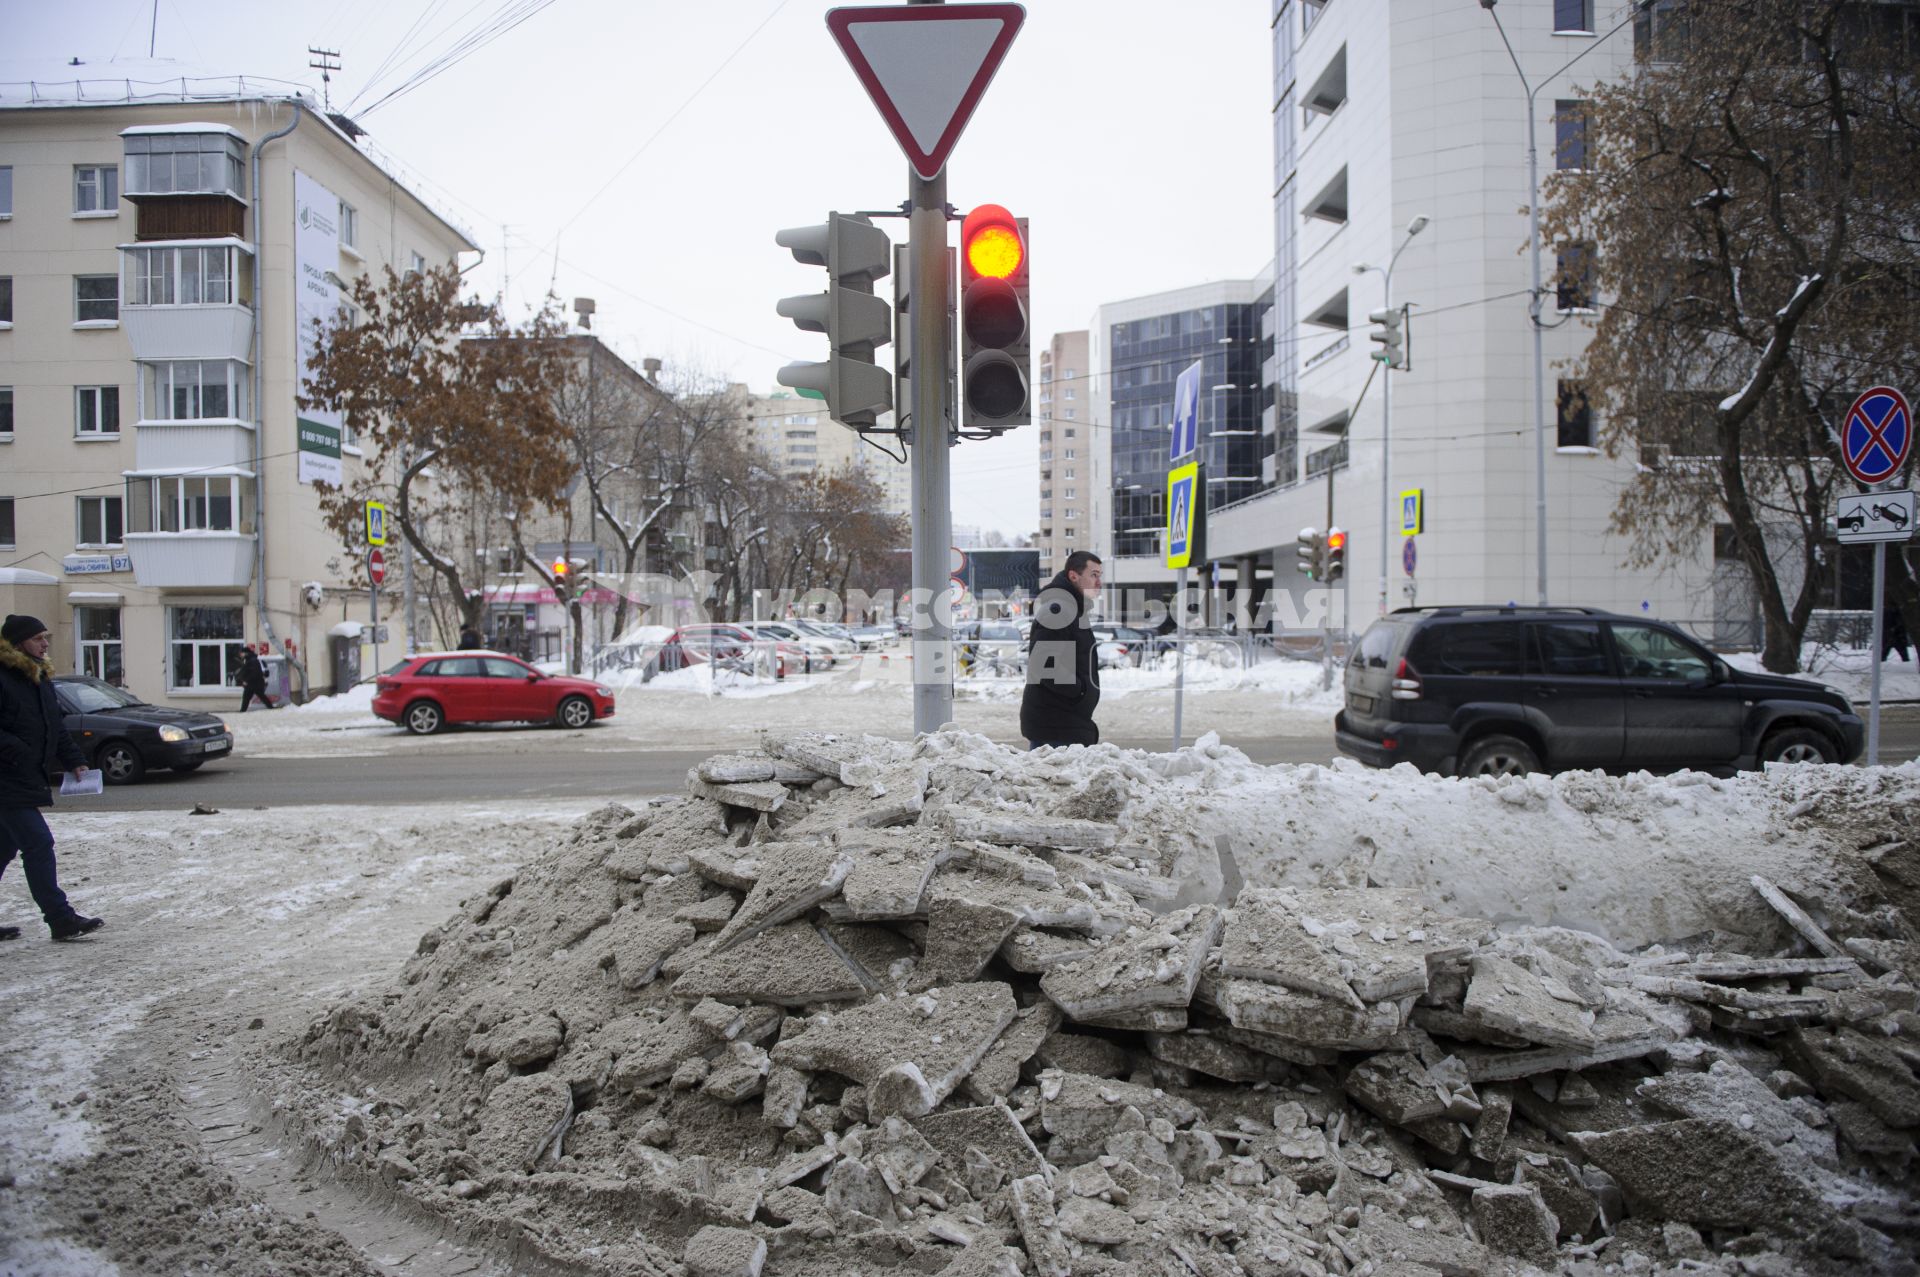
1877 435
376 566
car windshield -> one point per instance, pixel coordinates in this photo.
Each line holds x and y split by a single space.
91 696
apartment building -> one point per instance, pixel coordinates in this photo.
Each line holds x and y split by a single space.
1400 141
1073 505
799 439
162 241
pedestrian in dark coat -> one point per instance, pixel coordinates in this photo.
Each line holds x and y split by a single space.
1063 666
470 640
1893 632
34 746
253 680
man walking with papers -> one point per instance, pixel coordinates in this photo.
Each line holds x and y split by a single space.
34 746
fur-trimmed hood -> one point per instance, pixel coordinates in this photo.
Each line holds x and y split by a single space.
20 663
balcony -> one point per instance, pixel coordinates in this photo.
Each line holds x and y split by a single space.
183 447
187 299
191 560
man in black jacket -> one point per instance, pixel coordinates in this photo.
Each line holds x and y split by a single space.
1063 669
34 745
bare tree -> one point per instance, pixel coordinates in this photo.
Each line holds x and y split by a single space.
456 432
1749 190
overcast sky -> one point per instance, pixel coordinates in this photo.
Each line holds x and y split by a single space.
661 145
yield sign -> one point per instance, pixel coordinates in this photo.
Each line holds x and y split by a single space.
1878 434
926 67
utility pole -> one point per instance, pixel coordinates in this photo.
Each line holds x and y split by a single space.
931 461
328 61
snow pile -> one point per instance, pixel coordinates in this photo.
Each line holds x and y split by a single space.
1850 670
949 1006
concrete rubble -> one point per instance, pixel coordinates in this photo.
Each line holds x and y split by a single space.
884 1002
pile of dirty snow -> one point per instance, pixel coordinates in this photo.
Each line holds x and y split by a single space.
853 1004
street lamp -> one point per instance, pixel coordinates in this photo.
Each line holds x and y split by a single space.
1536 296
1414 227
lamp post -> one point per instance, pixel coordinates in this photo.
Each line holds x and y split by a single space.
1414 227
1536 296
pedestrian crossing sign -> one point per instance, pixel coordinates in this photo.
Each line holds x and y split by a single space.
1183 500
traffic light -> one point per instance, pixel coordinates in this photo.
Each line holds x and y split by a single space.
1336 556
1312 551
855 253
1391 335
562 579
995 344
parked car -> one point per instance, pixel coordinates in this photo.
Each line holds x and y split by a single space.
425 693
1489 691
845 633
126 738
732 644
819 653
871 637
1116 646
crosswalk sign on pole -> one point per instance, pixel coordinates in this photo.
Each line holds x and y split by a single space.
1183 500
376 523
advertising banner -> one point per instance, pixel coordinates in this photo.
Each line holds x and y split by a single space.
316 254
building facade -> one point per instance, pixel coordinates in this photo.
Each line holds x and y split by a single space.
1140 347
1388 118
799 439
158 246
1074 487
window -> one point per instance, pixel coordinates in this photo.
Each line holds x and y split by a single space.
6 190
1069 494
204 645
1569 134
416 264
96 299
1570 649
1068 473
1068 374
195 275
1070 416
101 521
96 188
1069 392
189 503
194 390
97 630
1329 90
6 300
1330 204
1572 16
1476 650
186 164
1575 273
1069 454
1576 416
96 411
1068 432
1649 653
349 225
6 411
6 523
1310 11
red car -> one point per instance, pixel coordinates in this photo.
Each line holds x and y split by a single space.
426 692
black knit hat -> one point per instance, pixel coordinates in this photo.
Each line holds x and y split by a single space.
19 629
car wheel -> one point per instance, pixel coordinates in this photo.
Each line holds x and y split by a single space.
1499 756
574 712
119 763
424 718
1798 745
193 766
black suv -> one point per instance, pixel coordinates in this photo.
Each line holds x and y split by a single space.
1492 691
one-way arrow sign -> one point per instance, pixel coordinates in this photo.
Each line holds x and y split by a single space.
926 67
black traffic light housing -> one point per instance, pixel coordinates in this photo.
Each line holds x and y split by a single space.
996 355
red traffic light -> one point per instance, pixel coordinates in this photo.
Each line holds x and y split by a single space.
990 243
561 567
1336 540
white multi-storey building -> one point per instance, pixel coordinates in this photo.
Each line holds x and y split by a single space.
1383 115
160 244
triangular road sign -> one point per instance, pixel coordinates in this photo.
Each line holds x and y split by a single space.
926 67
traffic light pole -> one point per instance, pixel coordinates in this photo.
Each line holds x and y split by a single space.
932 613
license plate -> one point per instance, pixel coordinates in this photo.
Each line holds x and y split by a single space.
217 746
1355 701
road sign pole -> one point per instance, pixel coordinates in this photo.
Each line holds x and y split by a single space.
932 462
1879 650
373 604
1179 652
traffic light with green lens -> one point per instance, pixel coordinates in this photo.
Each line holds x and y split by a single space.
855 253
1310 549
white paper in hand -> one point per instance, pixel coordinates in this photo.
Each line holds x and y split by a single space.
87 784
